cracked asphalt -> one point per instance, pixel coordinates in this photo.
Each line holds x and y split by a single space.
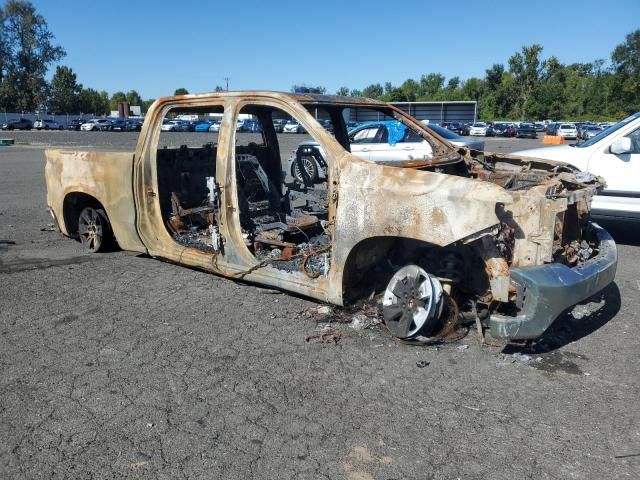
117 365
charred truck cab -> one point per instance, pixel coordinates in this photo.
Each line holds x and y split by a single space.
446 230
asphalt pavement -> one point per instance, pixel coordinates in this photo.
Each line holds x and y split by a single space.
117 365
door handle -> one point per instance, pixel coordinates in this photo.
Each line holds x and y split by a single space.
364 150
408 148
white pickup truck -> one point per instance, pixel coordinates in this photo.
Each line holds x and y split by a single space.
614 154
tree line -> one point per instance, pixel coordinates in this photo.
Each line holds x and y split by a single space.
531 88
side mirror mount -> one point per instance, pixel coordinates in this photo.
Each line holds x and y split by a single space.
621 146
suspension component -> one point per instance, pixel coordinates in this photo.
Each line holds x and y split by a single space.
451 267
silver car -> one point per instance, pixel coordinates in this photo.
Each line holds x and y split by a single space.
41 124
455 139
315 168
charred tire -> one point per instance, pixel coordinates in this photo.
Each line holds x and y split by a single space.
94 231
310 170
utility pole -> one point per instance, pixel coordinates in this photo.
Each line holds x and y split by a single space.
227 80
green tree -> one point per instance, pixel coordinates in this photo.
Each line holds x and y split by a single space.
92 101
431 85
625 61
116 99
134 98
493 77
181 91
146 105
27 52
525 68
343 91
410 90
104 103
471 89
535 89
64 91
374 91
452 90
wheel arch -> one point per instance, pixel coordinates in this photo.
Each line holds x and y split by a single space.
74 202
369 263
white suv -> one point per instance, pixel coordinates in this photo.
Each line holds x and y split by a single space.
479 129
613 154
567 130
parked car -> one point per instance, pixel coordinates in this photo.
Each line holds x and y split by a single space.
75 124
96 124
44 124
539 126
614 154
215 126
171 126
579 127
567 130
436 236
249 125
293 127
479 129
120 125
385 141
328 126
455 127
134 124
20 124
202 126
551 128
504 130
278 125
589 131
526 130
455 139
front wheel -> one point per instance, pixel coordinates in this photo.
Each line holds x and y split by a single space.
412 303
94 230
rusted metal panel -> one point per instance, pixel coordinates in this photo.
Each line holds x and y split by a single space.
510 210
106 176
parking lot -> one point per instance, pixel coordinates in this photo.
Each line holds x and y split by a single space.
117 365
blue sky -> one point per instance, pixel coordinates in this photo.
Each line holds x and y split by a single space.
157 46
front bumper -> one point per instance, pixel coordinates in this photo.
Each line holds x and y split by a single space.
544 292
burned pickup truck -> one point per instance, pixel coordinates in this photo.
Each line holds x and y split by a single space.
437 230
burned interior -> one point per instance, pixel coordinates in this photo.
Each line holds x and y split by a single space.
284 223
187 188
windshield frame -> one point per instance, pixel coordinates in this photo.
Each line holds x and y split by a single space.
443 152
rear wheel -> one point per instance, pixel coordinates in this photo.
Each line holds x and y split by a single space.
94 230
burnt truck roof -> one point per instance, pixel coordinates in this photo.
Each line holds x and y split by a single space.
306 98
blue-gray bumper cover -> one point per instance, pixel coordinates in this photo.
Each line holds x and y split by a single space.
544 292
